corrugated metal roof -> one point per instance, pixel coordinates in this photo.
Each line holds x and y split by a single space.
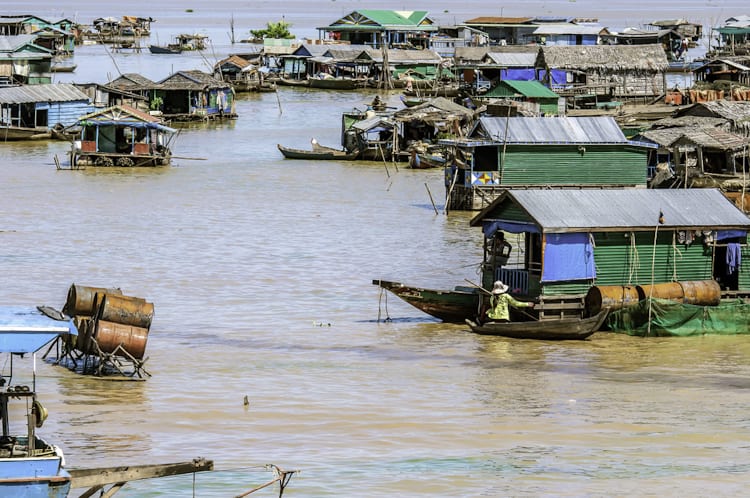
530 89
544 130
568 29
12 43
513 59
612 210
57 92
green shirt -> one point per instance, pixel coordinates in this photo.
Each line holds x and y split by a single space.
499 306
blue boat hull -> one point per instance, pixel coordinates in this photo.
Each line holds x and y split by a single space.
34 477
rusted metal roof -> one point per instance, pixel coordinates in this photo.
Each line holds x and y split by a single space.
484 20
552 130
565 210
57 92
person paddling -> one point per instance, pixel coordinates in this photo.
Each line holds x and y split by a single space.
500 303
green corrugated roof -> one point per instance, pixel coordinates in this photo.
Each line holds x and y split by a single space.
381 19
395 18
529 89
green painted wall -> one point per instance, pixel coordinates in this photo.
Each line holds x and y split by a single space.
569 165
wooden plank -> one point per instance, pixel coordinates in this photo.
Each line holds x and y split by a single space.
85 478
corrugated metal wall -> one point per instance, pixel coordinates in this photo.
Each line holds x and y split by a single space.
620 263
66 113
569 165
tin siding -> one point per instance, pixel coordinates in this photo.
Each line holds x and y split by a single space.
567 165
744 275
66 113
615 265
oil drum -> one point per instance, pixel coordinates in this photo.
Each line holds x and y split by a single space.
699 292
110 335
80 299
126 310
613 297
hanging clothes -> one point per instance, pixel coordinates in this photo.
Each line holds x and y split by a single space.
734 257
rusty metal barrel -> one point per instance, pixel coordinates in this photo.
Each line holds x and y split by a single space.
114 337
700 292
85 326
126 310
613 297
80 299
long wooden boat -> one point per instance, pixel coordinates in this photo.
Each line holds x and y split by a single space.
158 49
8 133
292 82
453 306
337 83
548 330
318 152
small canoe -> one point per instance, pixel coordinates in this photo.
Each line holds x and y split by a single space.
548 330
318 152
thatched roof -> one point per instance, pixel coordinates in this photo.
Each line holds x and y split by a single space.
689 121
709 138
737 112
132 81
604 58
191 80
437 109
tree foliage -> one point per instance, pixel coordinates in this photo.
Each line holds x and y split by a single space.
273 30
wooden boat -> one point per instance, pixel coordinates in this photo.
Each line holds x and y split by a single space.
453 306
319 152
548 330
12 133
292 82
336 83
63 68
168 49
29 466
425 160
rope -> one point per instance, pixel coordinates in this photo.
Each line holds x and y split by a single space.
380 299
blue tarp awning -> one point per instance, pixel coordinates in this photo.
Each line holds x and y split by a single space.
26 330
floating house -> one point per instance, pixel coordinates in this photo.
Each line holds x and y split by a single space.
604 72
531 94
121 136
568 34
504 30
24 62
503 153
614 240
194 95
731 69
397 29
33 111
242 74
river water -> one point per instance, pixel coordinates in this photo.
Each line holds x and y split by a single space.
260 272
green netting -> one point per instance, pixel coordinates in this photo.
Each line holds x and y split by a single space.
672 318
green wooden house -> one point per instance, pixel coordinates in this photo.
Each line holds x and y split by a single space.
553 152
397 29
22 61
571 240
549 103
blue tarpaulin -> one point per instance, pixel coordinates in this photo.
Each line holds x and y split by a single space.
568 256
